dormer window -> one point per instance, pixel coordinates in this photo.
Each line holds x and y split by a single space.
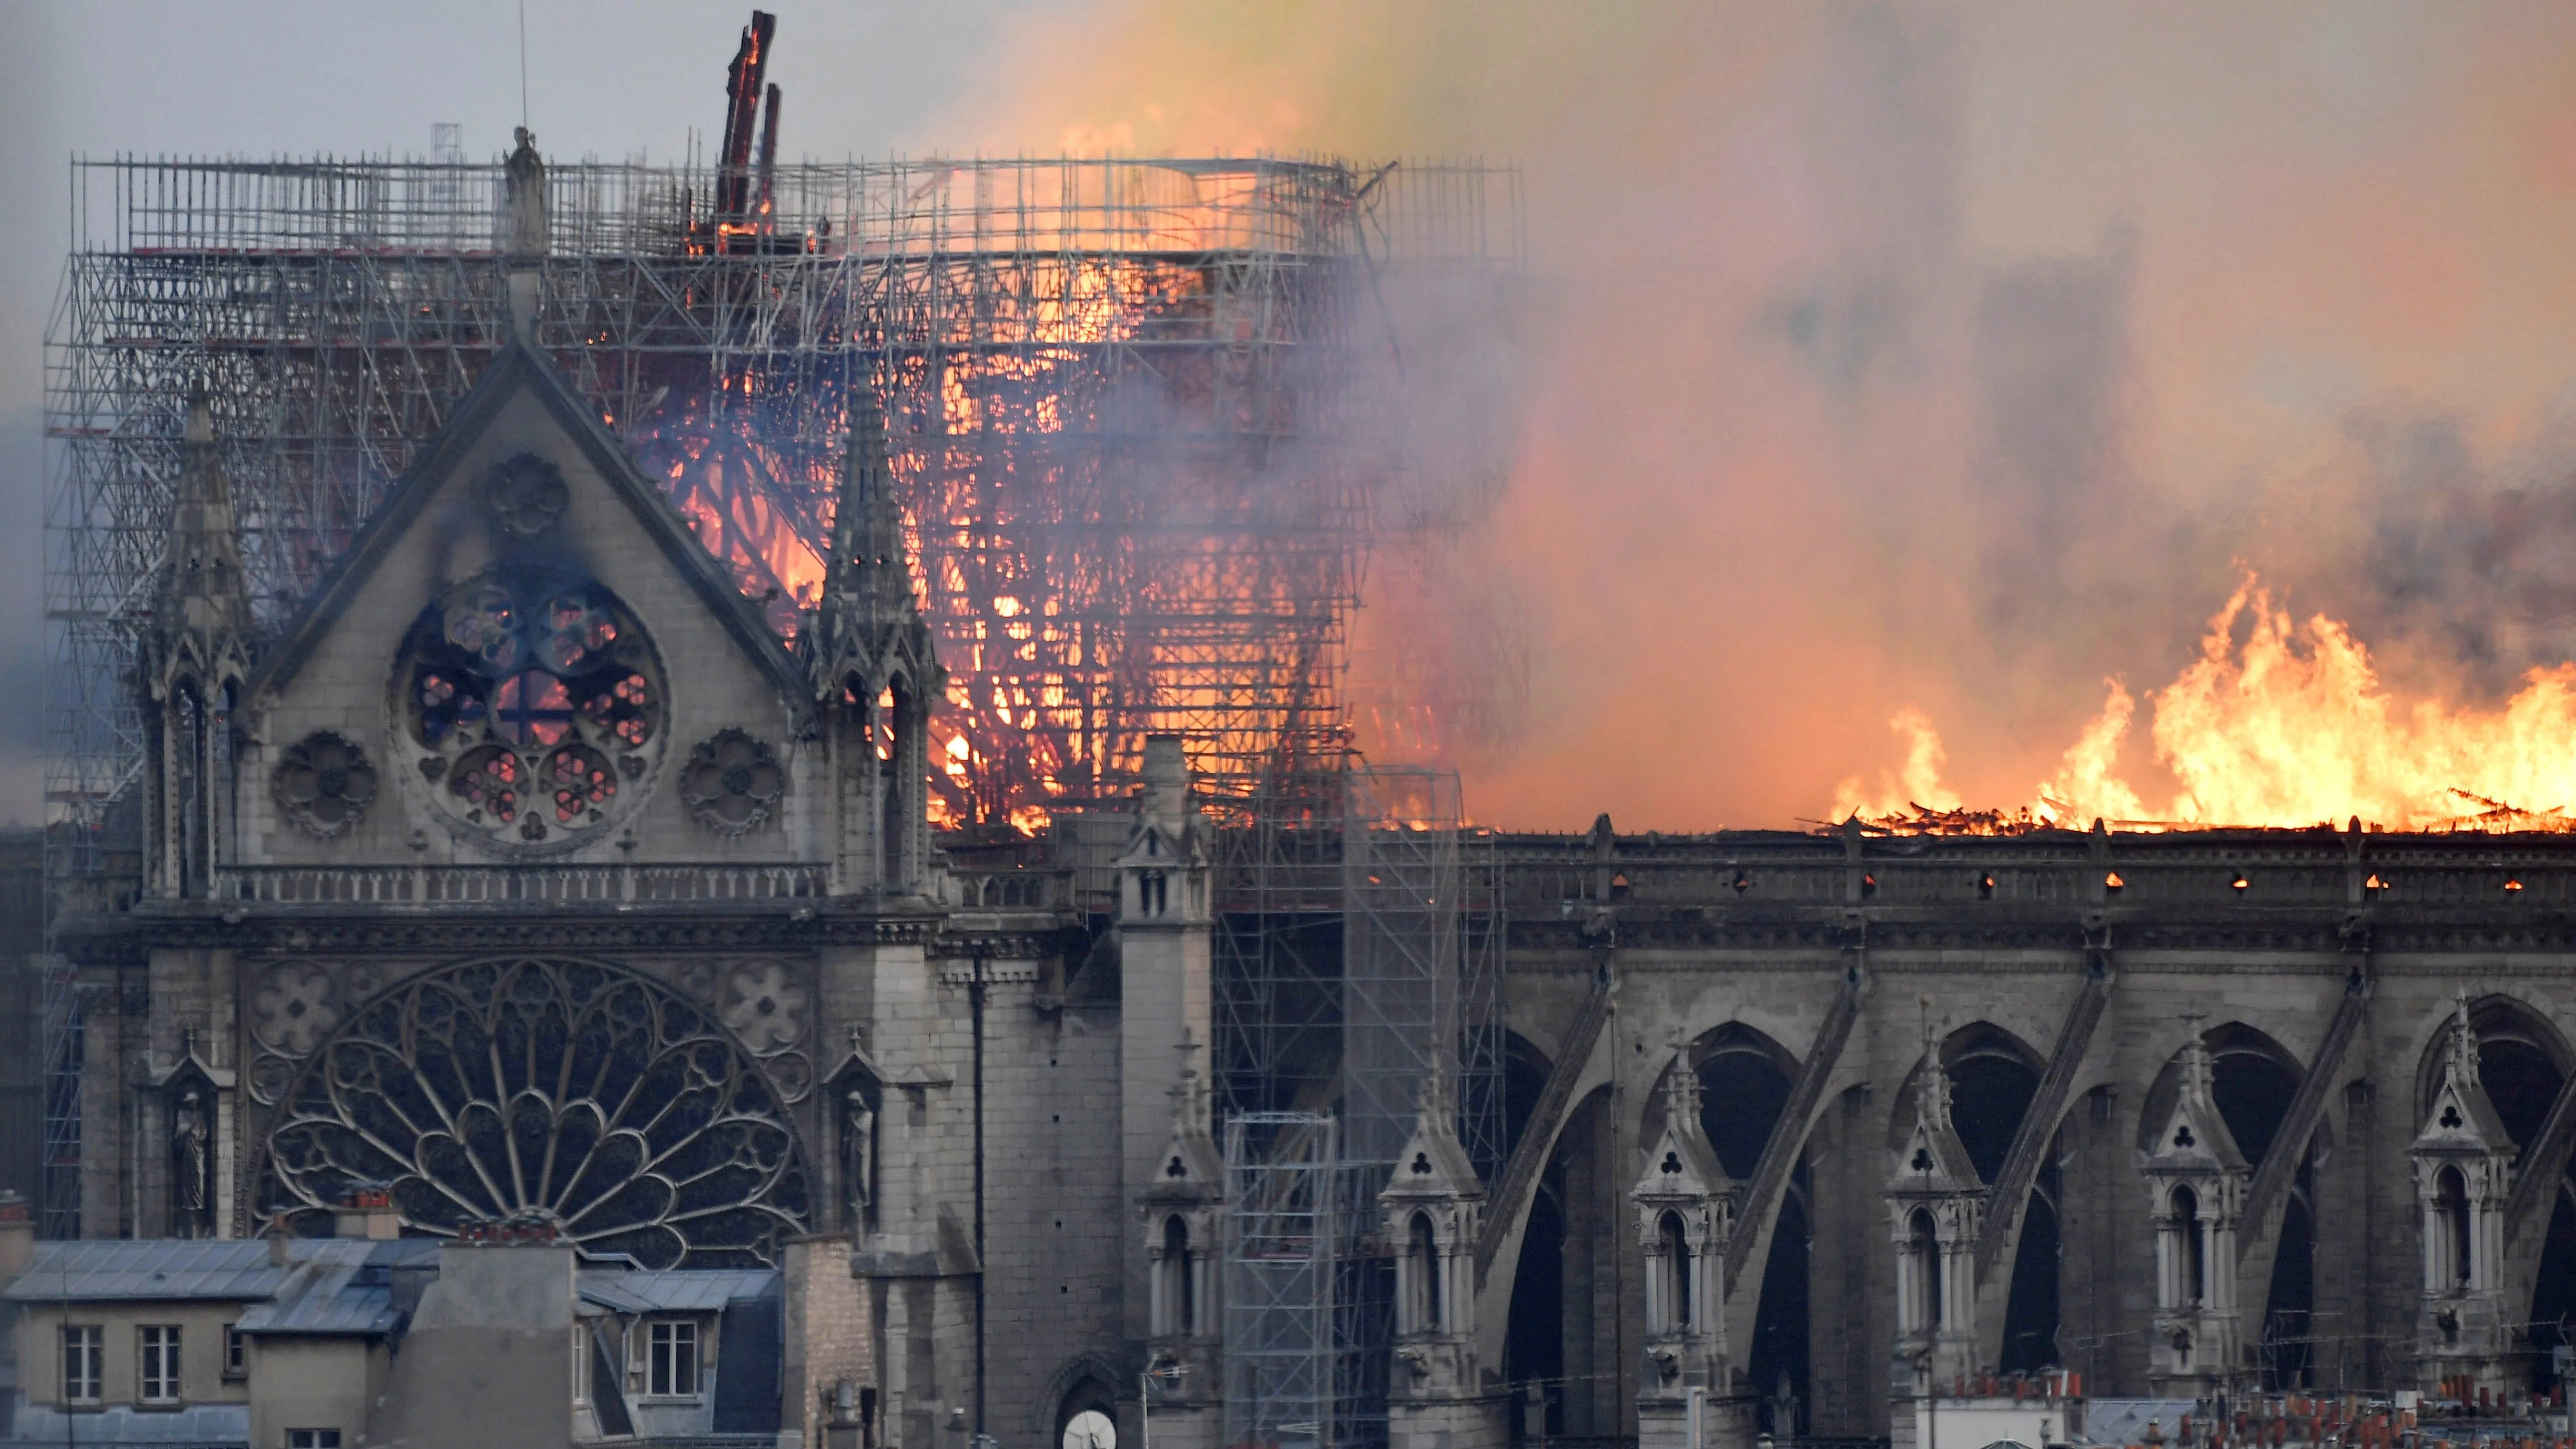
671 1359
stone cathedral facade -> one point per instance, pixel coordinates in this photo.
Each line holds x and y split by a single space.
525 876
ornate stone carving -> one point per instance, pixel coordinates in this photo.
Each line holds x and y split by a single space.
793 1075
526 494
696 980
538 704
733 783
764 1004
576 1092
269 1077
295 1006
192 1164
323 784
858 1158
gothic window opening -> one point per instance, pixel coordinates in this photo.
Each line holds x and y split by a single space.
2451 1228
2553 1293
1418 1277
188 788
1176 1253
1174 1312
1923 1269
895 711
537 705
1745 1082
2190 1248
1676 1271
579 1097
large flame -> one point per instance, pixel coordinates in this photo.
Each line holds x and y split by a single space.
2290 727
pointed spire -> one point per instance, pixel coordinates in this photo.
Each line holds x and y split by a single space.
868 622
1681 1084
203 604
2199 1074
868 563
2463 1063
1187 1091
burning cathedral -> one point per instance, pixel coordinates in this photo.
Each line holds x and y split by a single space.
729 752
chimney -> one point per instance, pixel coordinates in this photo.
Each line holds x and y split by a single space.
276 1236
1167 781
370 1214
17 1236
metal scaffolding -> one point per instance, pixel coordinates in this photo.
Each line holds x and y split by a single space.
1359 950
1146 416
1283 1227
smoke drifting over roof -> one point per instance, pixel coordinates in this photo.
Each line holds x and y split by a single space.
1944 357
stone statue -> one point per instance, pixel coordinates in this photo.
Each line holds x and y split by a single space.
858 1158
191 1169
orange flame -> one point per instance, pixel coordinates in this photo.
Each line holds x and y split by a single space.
2291 728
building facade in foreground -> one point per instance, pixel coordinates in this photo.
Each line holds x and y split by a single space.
528 885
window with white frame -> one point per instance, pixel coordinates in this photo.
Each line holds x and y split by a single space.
236 1352
671 1358
84 1363
312 1439
157 1369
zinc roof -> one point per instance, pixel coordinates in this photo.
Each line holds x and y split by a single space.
150 1269
342 1286
676 1290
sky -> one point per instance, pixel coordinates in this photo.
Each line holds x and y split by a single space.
1877 361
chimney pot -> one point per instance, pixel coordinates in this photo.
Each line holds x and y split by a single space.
17 1236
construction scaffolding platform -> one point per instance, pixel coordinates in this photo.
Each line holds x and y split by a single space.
1146 416
1359 951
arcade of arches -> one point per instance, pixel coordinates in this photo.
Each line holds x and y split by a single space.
2324 1278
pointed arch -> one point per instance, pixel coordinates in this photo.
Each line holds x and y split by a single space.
2523 1063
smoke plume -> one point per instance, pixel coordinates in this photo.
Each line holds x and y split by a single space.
1922 363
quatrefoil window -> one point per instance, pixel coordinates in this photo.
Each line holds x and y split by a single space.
732 783
324 784
526 495
536 702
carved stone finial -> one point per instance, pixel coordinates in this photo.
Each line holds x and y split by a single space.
1935 1092
2464 1041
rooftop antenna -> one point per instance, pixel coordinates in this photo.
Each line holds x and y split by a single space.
523 64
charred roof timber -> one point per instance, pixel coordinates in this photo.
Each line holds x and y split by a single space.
742 98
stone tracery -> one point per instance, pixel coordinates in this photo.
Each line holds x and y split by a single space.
577 1092
539 703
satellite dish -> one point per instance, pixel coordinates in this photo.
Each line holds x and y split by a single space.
1090 1429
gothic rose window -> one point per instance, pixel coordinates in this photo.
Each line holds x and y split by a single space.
576 1094
537 704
